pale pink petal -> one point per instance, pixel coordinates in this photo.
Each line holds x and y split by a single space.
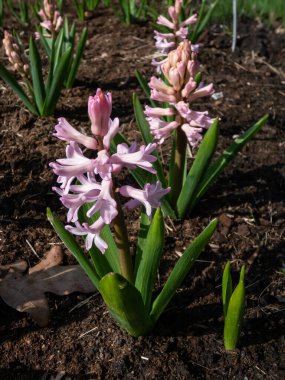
64 131
114 127
165 22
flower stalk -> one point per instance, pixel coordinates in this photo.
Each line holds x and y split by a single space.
122 242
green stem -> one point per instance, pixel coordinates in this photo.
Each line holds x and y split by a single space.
180 156
122 242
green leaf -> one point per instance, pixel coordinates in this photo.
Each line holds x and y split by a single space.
56 84
58 48
199 166
227 287
125 304
73 247
77 59
141 121
235 314
181 269
44 42
144 85
142 235
150 259
37 75
13 84
216 168
203 20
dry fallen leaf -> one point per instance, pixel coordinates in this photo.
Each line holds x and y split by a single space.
25 292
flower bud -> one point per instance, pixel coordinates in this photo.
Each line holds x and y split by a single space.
99 109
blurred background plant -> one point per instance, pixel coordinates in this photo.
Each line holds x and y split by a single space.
268 11
85 7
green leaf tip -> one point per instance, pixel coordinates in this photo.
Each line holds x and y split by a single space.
235 313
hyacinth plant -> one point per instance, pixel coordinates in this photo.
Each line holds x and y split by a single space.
90 189
39 93
172 95
57 38
84 7
20 11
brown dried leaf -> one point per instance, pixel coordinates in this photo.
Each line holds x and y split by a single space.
26 292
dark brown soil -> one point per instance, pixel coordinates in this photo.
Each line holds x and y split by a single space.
248 199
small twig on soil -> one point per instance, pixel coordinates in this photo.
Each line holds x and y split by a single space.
87 332
82 303
209 369
33 250
264 373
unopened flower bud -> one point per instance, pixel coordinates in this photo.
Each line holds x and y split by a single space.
99 109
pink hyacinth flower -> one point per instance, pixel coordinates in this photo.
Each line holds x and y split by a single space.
74 165
132 157
103 165
159 85
201 92
189 21
64 131
92 234
161 20
158 112
99 109
150 196
194 118
194 135
105 203
160 129
114 127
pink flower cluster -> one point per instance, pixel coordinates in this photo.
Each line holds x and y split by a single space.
52 20
89 179
180 69
178 32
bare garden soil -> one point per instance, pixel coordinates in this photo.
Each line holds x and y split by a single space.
248 199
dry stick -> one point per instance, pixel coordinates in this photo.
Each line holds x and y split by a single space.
122 242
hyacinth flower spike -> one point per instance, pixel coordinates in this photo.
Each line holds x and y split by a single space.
173 116
97 175
89 189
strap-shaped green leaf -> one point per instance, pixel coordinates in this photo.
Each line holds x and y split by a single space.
141 121
1 13
14 85
150 259
44 42
73 247
227 287
199 166
203 20
58 48
56 85
144 85
77 59
142 236
181 269
125 304
235 314
37 75
216 168
125 7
